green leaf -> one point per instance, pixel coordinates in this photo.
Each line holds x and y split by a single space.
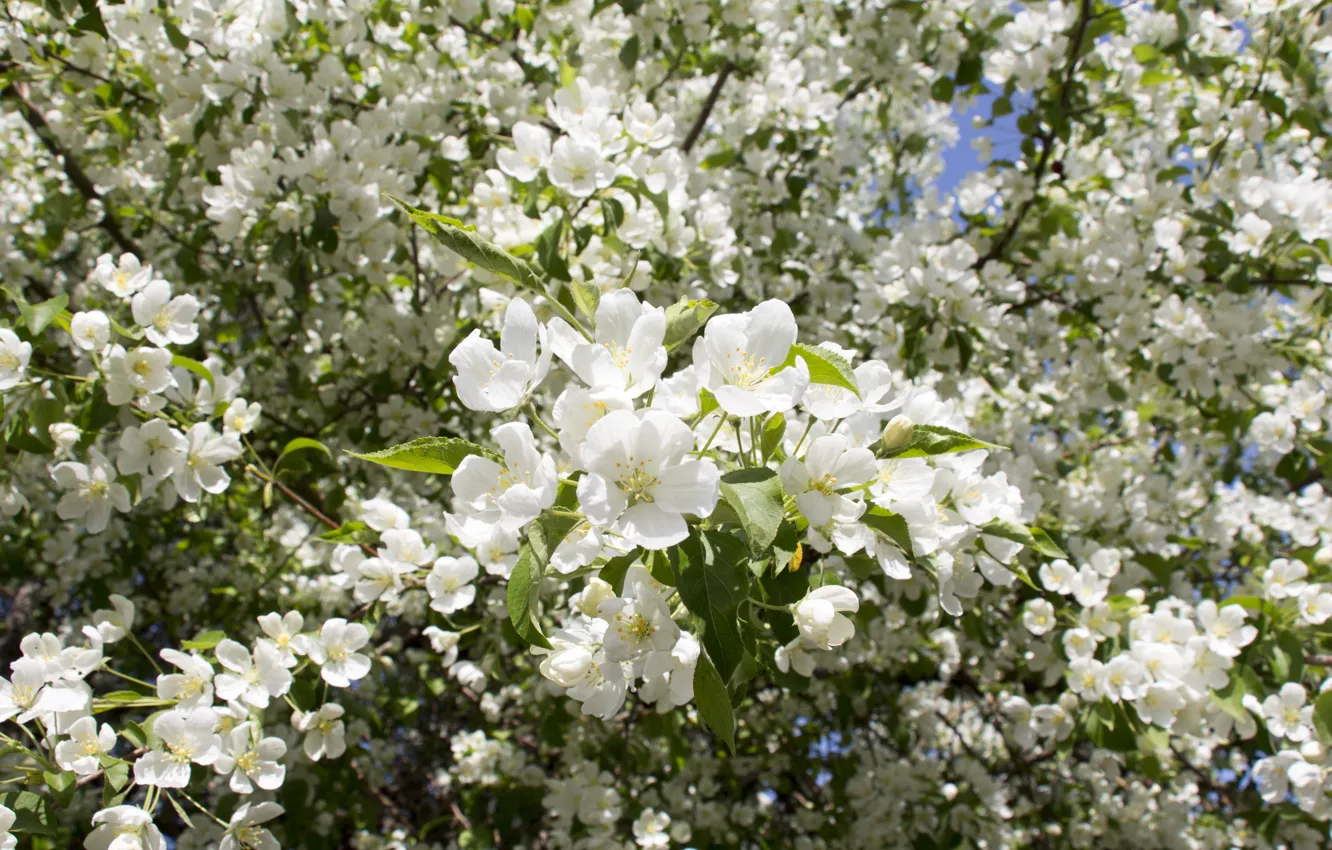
942 90
179 811
524 596
32 812
451 234
194 366
1155 77
122 696
91 22
1322 717
756 496
614 570
37 316
175 37
929 440
134 733
1019 533
714 702
825 366
785 546
115 771
1145 53
684 318
890 525
770 438
629 53
205 640
354 533
440 455
586 297
302 444
713 583
62 786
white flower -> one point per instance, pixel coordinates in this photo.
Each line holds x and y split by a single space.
1285 578
285 633
251 760
627 353
531 154
444 642
449 584
335 652
124 828
241 417
122 279
27 694
828 402
668 677
14 356
1226 630
1160 703
253 680
199 470
382 515
576 410
1038 616
819 617
138 374
90 331
794 656
7 818
651 829
644 126
578 168
325 733
86 744
1251 232
1287 715
153 449
510 495
491 380
830 465
91 491
737 355
244 831
640 621
117 621
189 737
193 686
638 484
165 320
377 578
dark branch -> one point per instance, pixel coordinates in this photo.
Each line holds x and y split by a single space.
697 130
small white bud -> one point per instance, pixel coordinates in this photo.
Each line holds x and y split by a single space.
897 433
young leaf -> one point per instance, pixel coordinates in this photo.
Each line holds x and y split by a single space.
1018 533
1322 717
354 533
714 702
890 525
935 440
38 316
32 813
205 640
482 252
684 318
440 455
62 786
756 496
524 596
194 366
303 444
825 366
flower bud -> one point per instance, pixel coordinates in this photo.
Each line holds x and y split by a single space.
588 601
897 433
567 667
65 434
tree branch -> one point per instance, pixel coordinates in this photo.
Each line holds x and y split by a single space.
697 130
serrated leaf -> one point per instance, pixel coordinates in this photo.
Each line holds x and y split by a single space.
352 533
450 233
199 369
524 595
825 366
756 496
714 701
929 440
684 318
1034 537
205 640
713 582
438 455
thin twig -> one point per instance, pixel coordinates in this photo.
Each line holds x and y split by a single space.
697 130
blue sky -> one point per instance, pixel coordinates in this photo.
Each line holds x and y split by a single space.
961 159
